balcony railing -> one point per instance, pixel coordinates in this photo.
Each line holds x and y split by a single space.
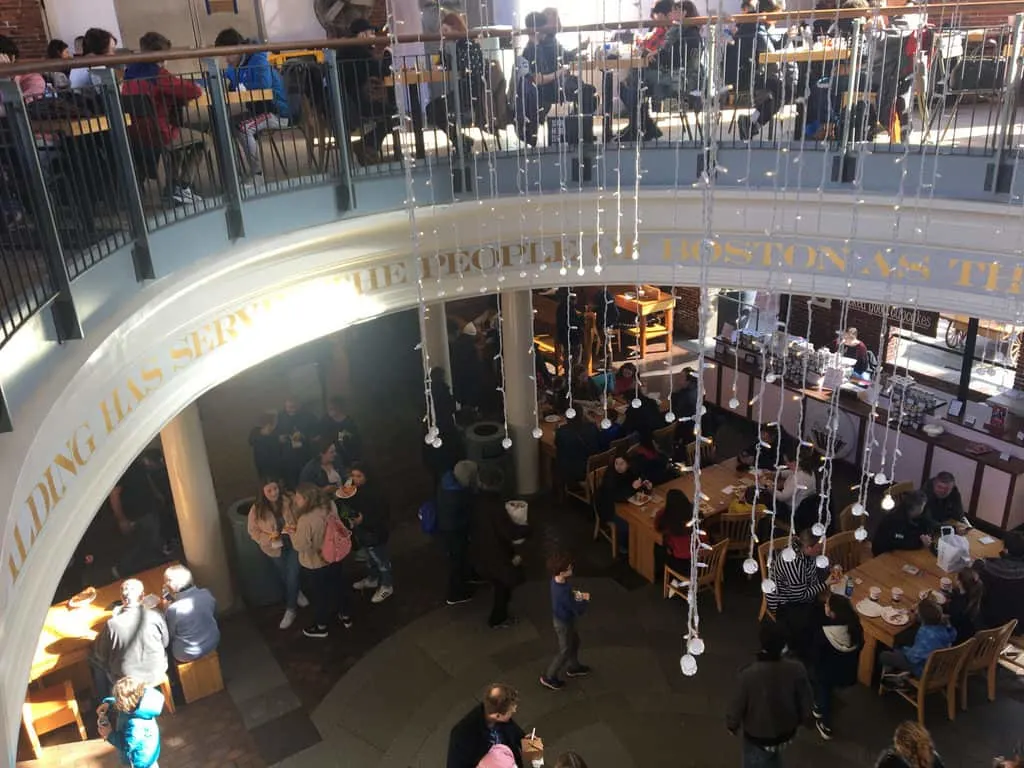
89 170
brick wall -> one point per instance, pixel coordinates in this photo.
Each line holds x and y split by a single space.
687 319
1018 379
23 22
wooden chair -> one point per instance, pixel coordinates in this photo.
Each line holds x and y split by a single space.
735 526
984 657
844 550
762 562
49 709
899 490
200 678
620 445
708 455
711 577
847 520
608 530
584 493
941 674
664 438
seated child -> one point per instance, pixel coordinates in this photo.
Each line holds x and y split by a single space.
934 634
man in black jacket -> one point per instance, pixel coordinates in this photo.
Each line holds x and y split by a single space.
487 724
906 527
455 503
943 501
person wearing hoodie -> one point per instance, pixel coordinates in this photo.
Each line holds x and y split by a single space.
155 136
371 528
363 69
133 732
835 654
1003 579
906 527
934 634
253 72
455 505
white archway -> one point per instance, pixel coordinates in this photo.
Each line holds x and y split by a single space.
197 328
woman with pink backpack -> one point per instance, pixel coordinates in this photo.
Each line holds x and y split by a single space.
322 541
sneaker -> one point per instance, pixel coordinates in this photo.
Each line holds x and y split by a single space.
382 594
181 196
815 712
652 132
366 583
458 600
287 620
346 621
824 730
315 630
303 601
895 680
361 556
581 671
552 682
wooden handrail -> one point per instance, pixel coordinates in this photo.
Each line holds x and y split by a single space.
942 10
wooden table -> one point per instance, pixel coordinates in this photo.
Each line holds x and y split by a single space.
237 97
277 59
68 635
650 301
804 55
75 127
714 482
886 571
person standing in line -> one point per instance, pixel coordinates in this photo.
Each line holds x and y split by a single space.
495 559
912 747
312 507
772 698
455 504
567 605
267 451
370 520
339 426
134 733
271 525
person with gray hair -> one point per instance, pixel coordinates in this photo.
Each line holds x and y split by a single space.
191 615
132 644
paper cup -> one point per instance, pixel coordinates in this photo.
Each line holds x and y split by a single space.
875 593
897 594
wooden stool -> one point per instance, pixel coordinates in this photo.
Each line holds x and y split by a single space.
165 688
200 678
49 709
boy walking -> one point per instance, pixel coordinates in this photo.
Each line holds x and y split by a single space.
567 604
128 721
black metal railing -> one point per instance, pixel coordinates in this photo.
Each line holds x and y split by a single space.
89 170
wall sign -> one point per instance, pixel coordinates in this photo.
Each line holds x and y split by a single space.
919 321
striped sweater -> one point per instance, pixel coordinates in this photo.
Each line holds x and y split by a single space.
800 581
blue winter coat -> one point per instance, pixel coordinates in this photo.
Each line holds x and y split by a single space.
136 736
256 73
930 637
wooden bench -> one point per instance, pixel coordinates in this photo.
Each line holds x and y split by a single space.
49 709
200 678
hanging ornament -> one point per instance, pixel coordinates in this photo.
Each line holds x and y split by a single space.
770 378
860 534
768 586
570 413
888 502
606 423
818 529
789 554
821 561
734 403
880 478
858 510
688 664
506 443
669 417
695 646
750 566
635 403
437 442
537 433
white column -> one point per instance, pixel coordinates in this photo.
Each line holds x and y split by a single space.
520 388
195 502
436 341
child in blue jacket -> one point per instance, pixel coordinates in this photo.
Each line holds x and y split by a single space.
934 634
253 72
567 605
133 731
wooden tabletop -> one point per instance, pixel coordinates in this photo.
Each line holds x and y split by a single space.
652 300
67 634
804 55
82 126
238 97
416 77
277 59
609 65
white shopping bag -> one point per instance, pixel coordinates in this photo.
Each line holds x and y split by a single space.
954 551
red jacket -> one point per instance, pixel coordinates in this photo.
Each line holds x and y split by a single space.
167 92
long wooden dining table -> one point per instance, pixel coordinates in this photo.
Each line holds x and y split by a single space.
895 569
68 634
718 483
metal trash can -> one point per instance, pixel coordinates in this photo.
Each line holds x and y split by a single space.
483 445
255 575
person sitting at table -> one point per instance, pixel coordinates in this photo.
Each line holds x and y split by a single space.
933 634
964 605
653 41
583 387
835 654
468 72
674 71
58 49
626 382
95 42
32 84
848 345
619 483
767 452
644 419
132 644
798 482
768 87
906 527
362 69
575 442
1003 578
798 583
323 470
943 502
253 72
191 616
544 81
159 135
651 462
673 523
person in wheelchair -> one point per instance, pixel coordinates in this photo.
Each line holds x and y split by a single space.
544 80
673 71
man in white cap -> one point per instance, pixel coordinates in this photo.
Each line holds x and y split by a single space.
132 644
455 502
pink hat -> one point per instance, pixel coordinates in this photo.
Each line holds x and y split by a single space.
499 756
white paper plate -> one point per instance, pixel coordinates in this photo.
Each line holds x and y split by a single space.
895 616
869 608
551 418
934 594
